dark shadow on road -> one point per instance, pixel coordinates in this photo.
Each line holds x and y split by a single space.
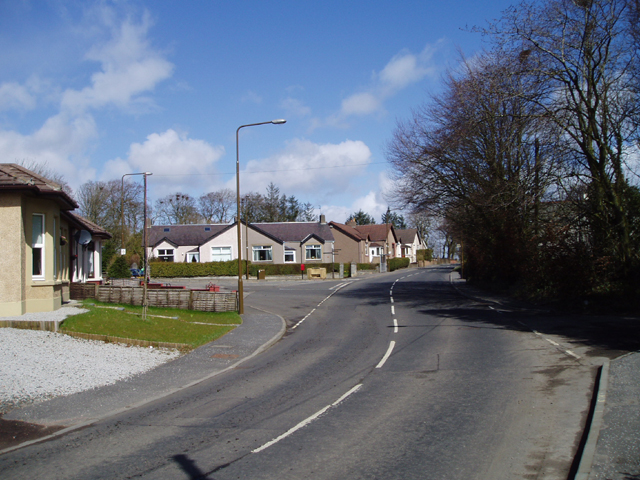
604 335
189 467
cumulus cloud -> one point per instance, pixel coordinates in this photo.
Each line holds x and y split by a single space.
129 67
60 143
172 157
304 165
402 70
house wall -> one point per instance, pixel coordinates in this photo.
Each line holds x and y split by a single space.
347 249
225 239
82 261
19 292
255 238
301 251
12 261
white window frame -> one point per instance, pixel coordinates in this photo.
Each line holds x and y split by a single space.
224 253
37 244
256 249
164 255
312 248
192 255
289 252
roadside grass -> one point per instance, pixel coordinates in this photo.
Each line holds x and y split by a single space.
192 328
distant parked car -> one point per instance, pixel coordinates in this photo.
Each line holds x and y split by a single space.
135 272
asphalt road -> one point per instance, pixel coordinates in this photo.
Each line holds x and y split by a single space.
392 376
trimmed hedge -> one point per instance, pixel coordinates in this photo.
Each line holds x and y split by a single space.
192 269
230 268
396 263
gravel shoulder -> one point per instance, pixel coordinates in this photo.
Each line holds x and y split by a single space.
39 365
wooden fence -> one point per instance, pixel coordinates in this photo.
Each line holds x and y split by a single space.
184 299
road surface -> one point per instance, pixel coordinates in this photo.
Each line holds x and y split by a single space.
389 376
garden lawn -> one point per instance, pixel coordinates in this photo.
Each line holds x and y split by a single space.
192 328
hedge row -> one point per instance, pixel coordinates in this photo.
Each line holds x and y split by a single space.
230 268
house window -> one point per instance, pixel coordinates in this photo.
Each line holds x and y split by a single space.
166 255
193 257
220 254
262 253
166 229
289 256
313 252
37 246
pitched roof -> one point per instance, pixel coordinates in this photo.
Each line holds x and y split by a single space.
84 224
186 234
349 231
407 235
296 231
376 233
16 177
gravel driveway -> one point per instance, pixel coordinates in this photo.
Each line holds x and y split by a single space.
37 365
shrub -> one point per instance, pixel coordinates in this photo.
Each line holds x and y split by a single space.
119 268
424 255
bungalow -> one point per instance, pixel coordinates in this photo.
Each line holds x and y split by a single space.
38 234
409 242
302 242
277 243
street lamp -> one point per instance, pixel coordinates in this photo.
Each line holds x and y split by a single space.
145 303
238 217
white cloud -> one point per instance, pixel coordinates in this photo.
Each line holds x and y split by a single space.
252 97
129 68
305 166
403 69
61 143
172 157
14 96
361 104
294 107
371 203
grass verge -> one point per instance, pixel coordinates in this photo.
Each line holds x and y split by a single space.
192 328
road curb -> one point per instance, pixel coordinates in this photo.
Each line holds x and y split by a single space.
589 449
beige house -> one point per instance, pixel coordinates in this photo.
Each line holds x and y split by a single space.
351 246
364 243
34 267
45 245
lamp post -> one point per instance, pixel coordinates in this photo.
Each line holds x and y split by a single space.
238 217
145 303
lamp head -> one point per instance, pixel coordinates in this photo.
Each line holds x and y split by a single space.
278 121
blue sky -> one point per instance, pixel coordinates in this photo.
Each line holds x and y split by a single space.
99 89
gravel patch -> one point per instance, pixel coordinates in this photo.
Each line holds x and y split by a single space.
38 365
